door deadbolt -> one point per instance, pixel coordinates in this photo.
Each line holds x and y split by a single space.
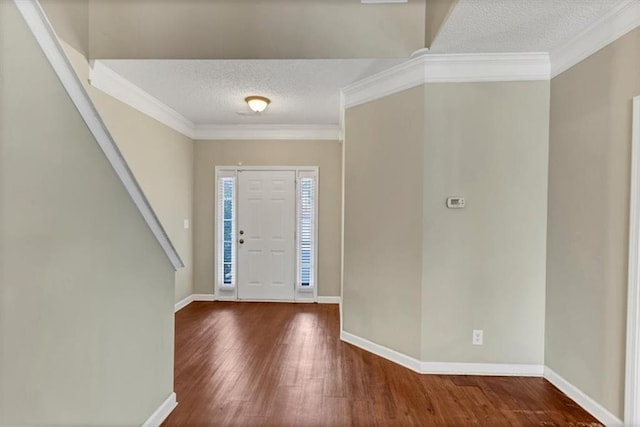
241 232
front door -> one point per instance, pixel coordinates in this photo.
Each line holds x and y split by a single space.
266 235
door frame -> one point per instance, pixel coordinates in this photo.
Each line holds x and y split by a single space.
632 368
230 293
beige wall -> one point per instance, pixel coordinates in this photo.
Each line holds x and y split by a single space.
86 292
484 266
161 159
418 277
70 19
324 154
589 174
436 14
254 29
383 221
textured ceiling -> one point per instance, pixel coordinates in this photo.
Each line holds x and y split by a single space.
213 91
304 91
487 26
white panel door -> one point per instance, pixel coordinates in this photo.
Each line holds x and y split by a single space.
266 235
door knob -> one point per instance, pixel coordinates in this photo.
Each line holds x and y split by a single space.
241 241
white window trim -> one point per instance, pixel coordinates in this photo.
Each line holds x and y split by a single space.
302 294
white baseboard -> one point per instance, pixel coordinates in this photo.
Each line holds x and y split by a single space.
204 297
443 368
191 298
163 411
277 301
183 303
382 351
490 369
575 394
329 300
210 297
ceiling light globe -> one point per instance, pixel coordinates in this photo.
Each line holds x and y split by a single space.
257 103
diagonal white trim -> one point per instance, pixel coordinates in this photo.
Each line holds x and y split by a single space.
183 303
268 131
494 369
108 81
48 41
443 368
382 351
589 405
611 26
448 68
632 370
395 79
162 412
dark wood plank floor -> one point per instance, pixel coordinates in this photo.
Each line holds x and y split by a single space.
283 364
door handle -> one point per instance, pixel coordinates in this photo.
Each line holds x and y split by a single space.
241 241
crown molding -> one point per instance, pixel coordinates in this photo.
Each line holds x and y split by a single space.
395 79
486 67
423 67
268 131
621 19
108 81
103 78
449 68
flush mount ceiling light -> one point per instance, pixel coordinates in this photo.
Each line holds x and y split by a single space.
257 103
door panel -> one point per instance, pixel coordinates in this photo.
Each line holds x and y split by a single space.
266 215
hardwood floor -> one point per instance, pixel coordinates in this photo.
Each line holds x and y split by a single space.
272 364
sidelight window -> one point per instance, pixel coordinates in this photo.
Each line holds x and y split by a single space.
306 230
226 231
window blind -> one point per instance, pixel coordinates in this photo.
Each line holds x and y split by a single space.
306 232
226 232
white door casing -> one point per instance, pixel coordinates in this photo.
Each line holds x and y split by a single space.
632 374
266 235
